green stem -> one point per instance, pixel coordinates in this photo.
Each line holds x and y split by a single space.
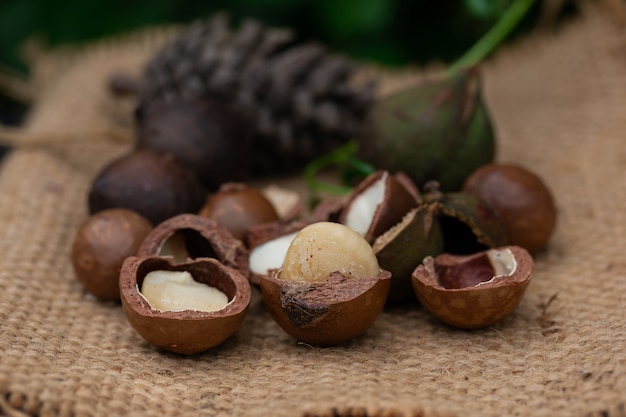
343 155
494 37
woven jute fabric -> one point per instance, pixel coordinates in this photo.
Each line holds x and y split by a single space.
558 103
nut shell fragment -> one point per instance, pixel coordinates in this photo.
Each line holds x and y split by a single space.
474 291
328 312
403 247
185 332
468 224
189 236
379 202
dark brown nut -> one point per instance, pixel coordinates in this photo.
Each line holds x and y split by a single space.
330 288
239 207
521 198
268 246
100 246
403 247
154 184
379 202
189 236
474 291
184 331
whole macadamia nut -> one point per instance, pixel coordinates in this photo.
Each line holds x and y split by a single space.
521 199
155 184
100 246
238 207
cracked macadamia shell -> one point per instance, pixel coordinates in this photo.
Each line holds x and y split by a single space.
403 247
474 291
189 236
188 331
329 312
379 202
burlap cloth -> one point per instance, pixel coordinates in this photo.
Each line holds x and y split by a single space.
558 101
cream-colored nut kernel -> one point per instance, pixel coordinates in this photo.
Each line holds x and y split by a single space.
270 255
363 208
178 291
503 262
322 248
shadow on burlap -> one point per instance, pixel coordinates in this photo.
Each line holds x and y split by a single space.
558 102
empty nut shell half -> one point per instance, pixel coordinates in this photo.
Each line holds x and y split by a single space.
474 291
190 236
329 312
188 331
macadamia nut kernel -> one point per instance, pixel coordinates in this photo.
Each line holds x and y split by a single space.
178 291
502 261
361 214
270 255
323 248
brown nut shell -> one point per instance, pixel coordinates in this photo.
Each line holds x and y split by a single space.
154 184
185 332
468 224
189 236
465 291
329 312
521 198
329 209
397 201
403 247
238 207
100 246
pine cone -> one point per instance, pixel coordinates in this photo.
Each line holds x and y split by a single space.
300 98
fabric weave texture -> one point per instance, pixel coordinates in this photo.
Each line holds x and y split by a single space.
558 103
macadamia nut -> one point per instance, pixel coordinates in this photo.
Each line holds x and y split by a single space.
322 248
178 291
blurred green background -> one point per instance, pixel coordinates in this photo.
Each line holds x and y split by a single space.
391 32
